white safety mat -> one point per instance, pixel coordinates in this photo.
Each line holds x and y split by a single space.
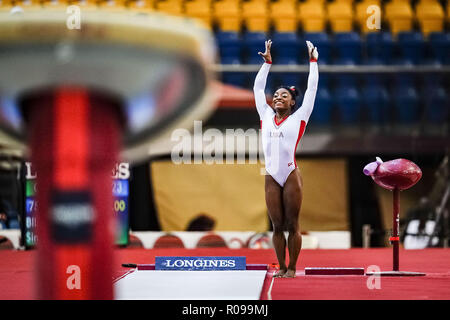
190 285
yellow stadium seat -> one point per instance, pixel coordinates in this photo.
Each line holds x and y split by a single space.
295 2
399 15
55 5
340 14
430 16
199 9
29 4
230 24
361 14
257 24
86 4
227 14
312 16
6 5
226 8
255 9
256 15
113 5
265 2
400 1
171 7
448 11
284 15
315 1
345 1
141 5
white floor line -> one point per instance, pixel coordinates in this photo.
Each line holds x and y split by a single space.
124 275
269 292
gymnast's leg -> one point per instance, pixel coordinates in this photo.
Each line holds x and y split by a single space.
292 201
274 204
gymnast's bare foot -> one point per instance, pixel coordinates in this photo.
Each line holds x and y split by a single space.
290 273
280 273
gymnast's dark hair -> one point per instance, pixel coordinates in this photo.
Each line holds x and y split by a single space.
291 89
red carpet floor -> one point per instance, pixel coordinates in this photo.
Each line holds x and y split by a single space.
16 273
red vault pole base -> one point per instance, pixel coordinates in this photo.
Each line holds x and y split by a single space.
74 137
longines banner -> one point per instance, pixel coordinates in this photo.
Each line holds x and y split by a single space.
200 263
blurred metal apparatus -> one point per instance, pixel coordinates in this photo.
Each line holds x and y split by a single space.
155 65
77 95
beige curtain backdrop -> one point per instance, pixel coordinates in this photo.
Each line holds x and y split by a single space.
233 195
325 195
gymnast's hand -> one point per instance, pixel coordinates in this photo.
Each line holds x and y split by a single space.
312 51
266 55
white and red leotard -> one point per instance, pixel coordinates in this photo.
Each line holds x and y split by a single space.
280 138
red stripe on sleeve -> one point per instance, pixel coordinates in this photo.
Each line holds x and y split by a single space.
301 131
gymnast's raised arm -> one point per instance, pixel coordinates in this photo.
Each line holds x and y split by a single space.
313 80
260 81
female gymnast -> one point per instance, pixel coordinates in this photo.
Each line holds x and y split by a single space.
282 128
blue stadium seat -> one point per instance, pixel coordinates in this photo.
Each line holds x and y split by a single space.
271 83
286 49
375 100
348 103
289 79
322 41
406 104
405 78
345 79
321 114
436 104
254 43
378 48
374 79
230 47
433 79
270 90
324 79
347 47
411 47
439 47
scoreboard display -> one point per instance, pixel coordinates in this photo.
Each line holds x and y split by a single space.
120 190
120 193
